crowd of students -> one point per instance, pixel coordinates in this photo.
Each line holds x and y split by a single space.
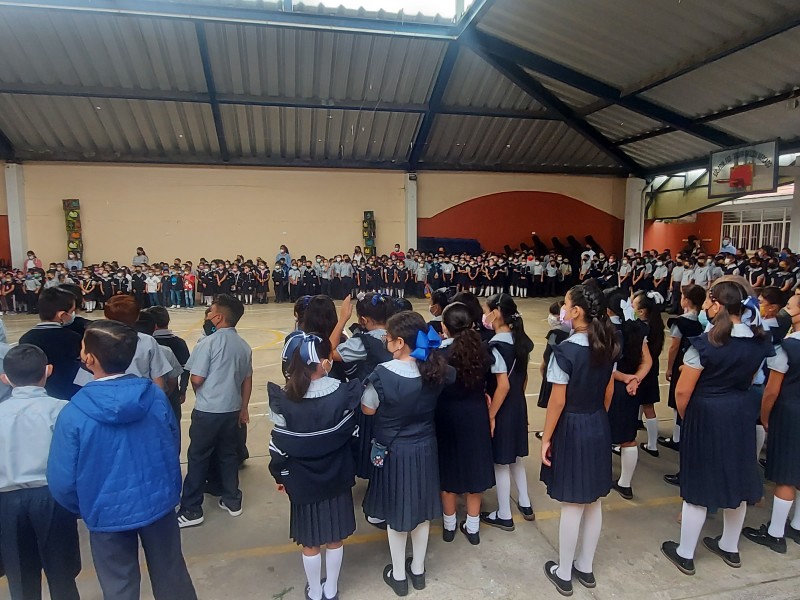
425 412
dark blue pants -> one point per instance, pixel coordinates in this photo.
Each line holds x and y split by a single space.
37 534
116 560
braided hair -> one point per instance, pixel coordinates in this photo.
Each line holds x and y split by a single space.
603 344
523 345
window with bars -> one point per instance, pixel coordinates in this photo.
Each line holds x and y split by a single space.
754 228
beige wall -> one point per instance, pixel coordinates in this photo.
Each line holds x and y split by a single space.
440 191
211 212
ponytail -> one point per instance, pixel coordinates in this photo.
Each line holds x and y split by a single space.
523 345
603 345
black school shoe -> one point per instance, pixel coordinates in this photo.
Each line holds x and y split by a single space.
653 453
562 587
792 533
527 512
448 535
625 492
761 536
398 587
585 579
504 524
668 442
472 538
731 559
685 565
380 524
418 581
673 479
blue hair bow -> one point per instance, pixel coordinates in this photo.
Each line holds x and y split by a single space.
426 342
752 312
378 297
308 349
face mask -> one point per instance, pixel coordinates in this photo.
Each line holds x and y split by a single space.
625 261
659 263
702 317
70 319
432 310
486 323
553 321
208 327
562 318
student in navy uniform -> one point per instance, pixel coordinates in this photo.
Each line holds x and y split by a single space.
633 363
404 485
463 431
312 461
347 278
559 331
755 273
576 464
247 285
278 281
647 306
780 413
508 410
681 329
437 305
718 466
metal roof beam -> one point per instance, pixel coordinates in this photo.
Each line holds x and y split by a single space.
250 16
474 14
7 151
202 43
569 76
435 103
553 104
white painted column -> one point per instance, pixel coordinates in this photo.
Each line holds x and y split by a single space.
411 211
633 231
17 214
794 228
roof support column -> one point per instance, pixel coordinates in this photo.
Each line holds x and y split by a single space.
633 230
411 210
17 214
794 229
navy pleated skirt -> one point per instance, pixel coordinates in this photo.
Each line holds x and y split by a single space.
580 457
510 439
363 444
323 522
623 415
783 449
405 491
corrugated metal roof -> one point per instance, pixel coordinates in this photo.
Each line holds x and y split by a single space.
626 42
470 141
766 69
668 148
569 95
475 83
296 133
617 123
781 120
86 128
98 51
292 63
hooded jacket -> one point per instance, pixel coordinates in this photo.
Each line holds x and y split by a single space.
114 455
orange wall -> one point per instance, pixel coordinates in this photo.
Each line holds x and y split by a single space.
661 236
510 217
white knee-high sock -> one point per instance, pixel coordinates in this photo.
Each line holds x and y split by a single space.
313 568
796 517
333 566
676 430
590 536
521 481
692 519
502 475
761 437
780 512
397 548
652 433
568 531
419 547
629 456
732 522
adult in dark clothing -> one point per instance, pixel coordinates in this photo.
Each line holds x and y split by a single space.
61 345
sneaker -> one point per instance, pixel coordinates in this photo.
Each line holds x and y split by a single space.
231 511
562 587
539 435
644 447
673 479
418 581
616 450
448 535
398 587
625 492
731 559
504 524
762 536
472 538
379 524
763 463
668 442
527 512
792 533
189 519
685 565
587 580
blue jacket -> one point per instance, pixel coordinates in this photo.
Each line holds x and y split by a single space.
114 455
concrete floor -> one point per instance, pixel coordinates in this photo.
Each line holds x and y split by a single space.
252 557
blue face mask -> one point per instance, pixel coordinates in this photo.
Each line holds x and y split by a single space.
702 317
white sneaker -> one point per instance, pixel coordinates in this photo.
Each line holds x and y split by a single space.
187 520
233 513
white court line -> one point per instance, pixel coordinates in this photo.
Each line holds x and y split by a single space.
265 366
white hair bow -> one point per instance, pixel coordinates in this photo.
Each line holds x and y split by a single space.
627 310
656 297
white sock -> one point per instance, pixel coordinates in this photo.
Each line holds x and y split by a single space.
796 518
521 481
313 568
590 536
732 523
397 548
333 566
568 531
692 519
449 522
780 512
419 547
629 456
761 437
502 475
652 433
473 524
676 430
